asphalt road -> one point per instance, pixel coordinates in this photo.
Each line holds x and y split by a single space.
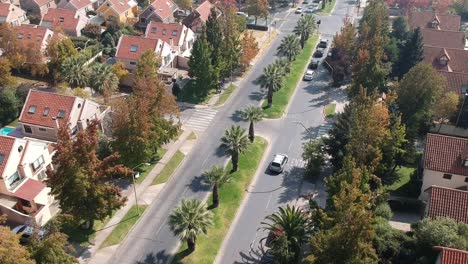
151 241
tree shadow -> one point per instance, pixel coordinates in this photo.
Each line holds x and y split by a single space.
292 180
236 116
159 258
221 152
180 256
198 184
256 255
256 96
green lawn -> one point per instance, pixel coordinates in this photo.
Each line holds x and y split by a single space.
400 187
281 98
169 168
145 170
191 94
192 136
83 237
329 110
122 228
13 123
328 7
231 195
226 94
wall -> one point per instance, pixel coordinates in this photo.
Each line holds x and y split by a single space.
50 134
436 178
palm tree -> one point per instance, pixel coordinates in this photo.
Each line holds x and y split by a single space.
253 114
74 72
290 47
190 219
103 79
216 177
235 141
292 224
284 65
305 26
271 79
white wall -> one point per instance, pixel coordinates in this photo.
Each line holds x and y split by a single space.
436 178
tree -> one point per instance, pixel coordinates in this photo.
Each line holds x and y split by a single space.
8 106
231 45
5 73
53 249
148 65
271 79
200 66
253 114
305 26
58 50
411 52
92 31
74 72
80 180
216 177
289 47
103 79
234 141
313 154
292 224
214 37
189 220
11 251
11 48
446 107
257 8
184 4
249 49
119 70
400 29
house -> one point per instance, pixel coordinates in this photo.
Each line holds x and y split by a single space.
12 14
445 162
43 113
38 7
198 18
32 36
432 20
23 165
158 11
446 59
447 202
456 82
82 7
130 48
451 256
67 20
14 2
123 11
177 35
444 39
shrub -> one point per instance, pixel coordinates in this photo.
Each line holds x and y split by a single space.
383 210
92 31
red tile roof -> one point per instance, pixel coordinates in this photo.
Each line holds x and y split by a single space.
29 189
164 8
42 100
452 256
443 153
141 45
204 10
458 58
455 81
4 9
165 31
42 2
6 144
31 34
78 4
443 38
424 20
120 6
61 18
447 202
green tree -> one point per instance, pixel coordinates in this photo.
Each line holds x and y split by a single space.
92 31
53 249
189 220
8 106
446 107
271 79
58 50
147 65
400 29
79 179
411 52
5 73
214 37
290 47
257 8
235 142
200 66
74 72
216 177
11 251
313 154
231 45
253 114
103 79
304 28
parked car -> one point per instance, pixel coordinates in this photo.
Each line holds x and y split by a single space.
309 9
323 43
309 75
278 163
26 233
319 53
305 2
298 10
317 1
313 64
242 14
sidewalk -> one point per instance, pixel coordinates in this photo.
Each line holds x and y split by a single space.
146 194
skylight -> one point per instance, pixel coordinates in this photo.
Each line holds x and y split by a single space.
164 32
61 114
2 157
133 48
32 109
46 111
174 33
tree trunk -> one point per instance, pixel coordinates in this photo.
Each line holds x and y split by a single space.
235 161
251 132
191 244
215 196
270 96
302 41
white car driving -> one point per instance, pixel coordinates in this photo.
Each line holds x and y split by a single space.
278 163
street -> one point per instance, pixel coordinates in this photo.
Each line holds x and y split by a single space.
151 241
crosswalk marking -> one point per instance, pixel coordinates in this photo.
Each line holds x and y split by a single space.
200 119
299 163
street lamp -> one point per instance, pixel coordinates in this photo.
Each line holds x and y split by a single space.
136 176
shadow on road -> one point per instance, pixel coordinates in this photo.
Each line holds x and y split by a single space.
291 184
257 96
258 255
198 184
160 258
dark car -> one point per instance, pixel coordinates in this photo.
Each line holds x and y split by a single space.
323 43
313 65
319 53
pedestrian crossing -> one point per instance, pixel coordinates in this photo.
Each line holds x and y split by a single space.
200 119
297 163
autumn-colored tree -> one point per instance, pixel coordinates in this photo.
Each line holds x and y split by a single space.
11 251
343 47
92 31
58 50
52 249
10 46
249 49
184 4
119 70
148 65
5 73
35 60
80 180
446 107
257 8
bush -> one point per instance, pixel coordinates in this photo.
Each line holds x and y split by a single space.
8 106
383 210
80 42
92 31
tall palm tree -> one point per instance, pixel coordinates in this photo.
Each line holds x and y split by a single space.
103 79
283 64
216 177
290 223
74 72
271 79
235 141
253 114
290 47
190 219
305 26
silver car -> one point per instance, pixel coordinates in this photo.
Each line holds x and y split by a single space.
278 163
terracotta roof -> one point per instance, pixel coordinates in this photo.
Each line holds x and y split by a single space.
165 31
455 81
43 2
204 10
452 256
443 38
120 6
63 18
424 20
6 144
29 189
77 4
4 9
447 202
42 101
442 153
163 8
139 44
31 34
458 58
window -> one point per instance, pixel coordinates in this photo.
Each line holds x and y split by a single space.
443 60
466 179
174 33
20 36
61 114
13 180
132 63
164 32
42 129
46 111
447 176
2 157
133 48
27 129
61 19
32 109
38 163
154 30
435 24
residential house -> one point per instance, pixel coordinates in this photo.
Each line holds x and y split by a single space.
123 11
432 20
445 162
43 113
14 2
451 256
158 11
198 18
447 202
177 35
33 36
456 82
38 7
23 165
12 14
446 59
444 39
82 7
130 48
67 20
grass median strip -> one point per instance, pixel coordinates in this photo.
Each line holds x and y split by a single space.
231 195
281 98
329 110
122 228
328 8
169 168
226 94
